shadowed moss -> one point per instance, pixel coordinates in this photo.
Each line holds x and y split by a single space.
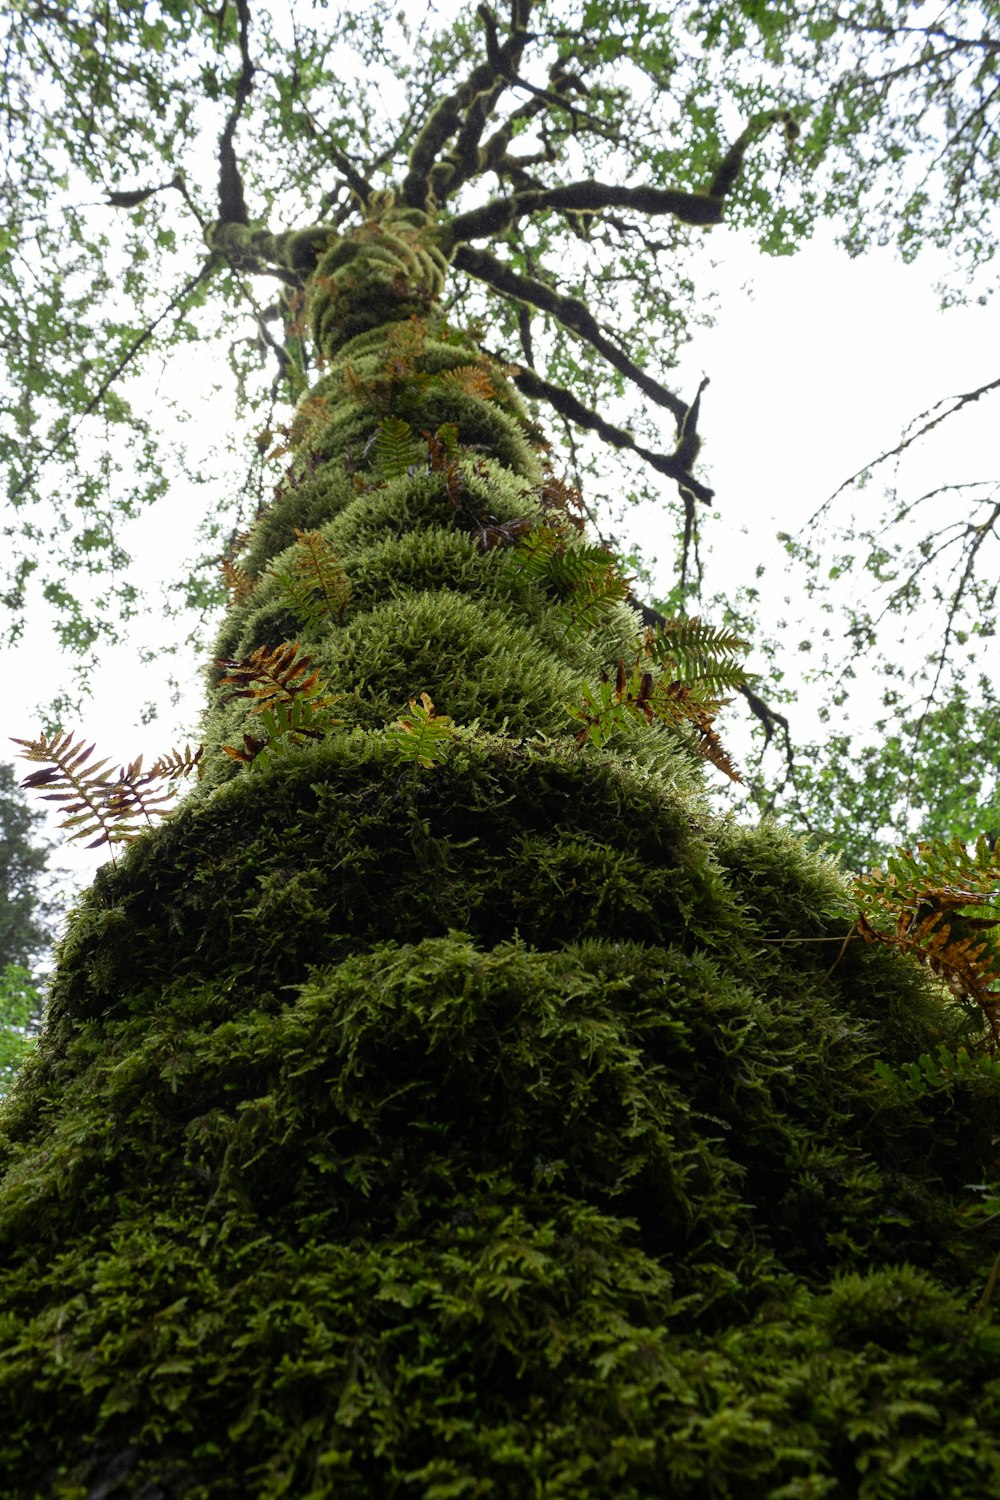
505 1126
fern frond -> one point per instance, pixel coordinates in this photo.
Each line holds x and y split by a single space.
596 592
564 501
271 674
944 904
179 763
284 725
82 789
471 380
397 448
638 695
941 1069
538 553
238 582
696 650
423 735
96 801
315 585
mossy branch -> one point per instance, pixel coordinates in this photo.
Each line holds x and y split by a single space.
571 313
485 83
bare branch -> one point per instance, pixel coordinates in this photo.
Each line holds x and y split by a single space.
571 313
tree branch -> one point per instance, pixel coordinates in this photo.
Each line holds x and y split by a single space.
232 202
571 313
487 79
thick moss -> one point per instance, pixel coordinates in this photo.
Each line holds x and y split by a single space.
507 1126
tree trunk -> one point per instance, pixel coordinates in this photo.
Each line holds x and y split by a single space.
439 1108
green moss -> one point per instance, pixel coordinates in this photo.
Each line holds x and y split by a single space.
508 1126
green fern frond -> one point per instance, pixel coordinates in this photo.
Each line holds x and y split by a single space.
944 906
696 651
284 727
596 592
940 1070
422 736
397 448
314 585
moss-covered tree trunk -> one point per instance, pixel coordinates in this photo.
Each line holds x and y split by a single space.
482 1118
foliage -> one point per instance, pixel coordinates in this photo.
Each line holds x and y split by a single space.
93 799
24 909
945 907
20 1006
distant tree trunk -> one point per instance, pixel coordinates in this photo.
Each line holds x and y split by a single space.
444 1109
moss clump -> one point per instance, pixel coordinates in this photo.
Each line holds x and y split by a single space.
499 1127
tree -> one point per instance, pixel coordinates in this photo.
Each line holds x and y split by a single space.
24 930
24 911
444 1101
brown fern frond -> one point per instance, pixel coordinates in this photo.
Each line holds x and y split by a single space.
563 500
179 763
471 380
132 795
96 801
944 905
269 675
66 778
238 582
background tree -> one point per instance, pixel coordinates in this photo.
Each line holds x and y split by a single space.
444 1101
25 911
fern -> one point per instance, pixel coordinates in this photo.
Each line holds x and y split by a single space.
397 448
285 690
471 380
940 1070
238 582
284 726
315 585
639 695
271 674
595 593
423 737
696 652
944 905
94 800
